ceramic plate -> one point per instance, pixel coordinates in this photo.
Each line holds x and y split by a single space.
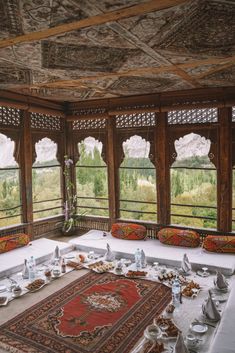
198 327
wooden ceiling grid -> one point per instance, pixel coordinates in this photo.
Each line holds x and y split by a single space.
75 51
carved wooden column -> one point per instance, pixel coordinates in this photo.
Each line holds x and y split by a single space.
163 169
26 173
70 151
224 187
112 171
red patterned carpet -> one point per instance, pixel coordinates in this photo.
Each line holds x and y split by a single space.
94 314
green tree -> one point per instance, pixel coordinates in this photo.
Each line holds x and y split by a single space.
98 188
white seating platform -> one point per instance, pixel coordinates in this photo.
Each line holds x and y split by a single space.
155 251
224 341
41 249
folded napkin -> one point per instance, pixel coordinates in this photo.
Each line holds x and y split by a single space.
56 254
220 282
143 259
209 309
25 272
180 346
109 255
185 264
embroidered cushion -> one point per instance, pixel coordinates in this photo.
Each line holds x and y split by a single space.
179 237
219 243
10 242
128 231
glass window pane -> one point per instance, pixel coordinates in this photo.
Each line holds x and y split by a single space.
10 199
193 183
137 179
46 181
91 179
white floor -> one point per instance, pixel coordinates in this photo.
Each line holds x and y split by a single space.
155 251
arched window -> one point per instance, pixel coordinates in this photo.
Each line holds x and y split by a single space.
46 180
193 184
10 200
91 179
137 180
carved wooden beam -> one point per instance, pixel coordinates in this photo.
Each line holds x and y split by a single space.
82 82
216 69
140 9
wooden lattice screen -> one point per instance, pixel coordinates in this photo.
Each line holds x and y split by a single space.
135 120
193 116
10 117
87 124
233 114
45 122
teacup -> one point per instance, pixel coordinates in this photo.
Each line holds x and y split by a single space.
17 290
191 341
152 332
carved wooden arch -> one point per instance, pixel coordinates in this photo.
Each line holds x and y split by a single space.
209 134
99 136
55 138
14 136
122 136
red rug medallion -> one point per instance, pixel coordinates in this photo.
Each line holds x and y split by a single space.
96 313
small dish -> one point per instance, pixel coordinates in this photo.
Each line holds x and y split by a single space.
3 301
203 273
198 327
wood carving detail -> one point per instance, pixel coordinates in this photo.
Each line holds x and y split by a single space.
10 75
10 20
225 75
137 85
206 28
44 14
82 57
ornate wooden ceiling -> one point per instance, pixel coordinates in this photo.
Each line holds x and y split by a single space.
73 50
